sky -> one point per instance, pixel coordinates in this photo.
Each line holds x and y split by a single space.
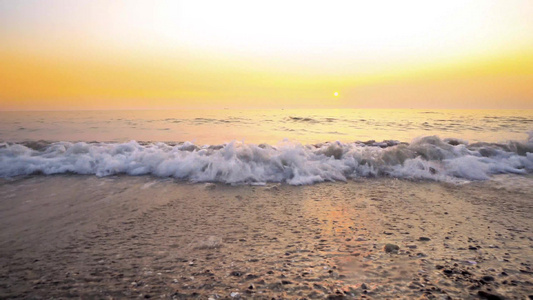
65 55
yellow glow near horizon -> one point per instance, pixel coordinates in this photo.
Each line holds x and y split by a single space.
170 54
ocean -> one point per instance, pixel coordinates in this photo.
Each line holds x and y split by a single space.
294 146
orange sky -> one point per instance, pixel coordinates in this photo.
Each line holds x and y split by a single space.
59 55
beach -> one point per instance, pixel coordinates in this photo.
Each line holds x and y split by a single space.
266 150
81 236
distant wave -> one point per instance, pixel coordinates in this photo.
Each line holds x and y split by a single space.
303 120
293 163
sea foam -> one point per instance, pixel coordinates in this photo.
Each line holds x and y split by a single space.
293 163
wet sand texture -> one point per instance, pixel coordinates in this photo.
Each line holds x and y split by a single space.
131 237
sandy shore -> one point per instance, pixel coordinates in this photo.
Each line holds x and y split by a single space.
131 237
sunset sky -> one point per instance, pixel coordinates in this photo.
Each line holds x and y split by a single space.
57 55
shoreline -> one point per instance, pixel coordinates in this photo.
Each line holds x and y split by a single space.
128 237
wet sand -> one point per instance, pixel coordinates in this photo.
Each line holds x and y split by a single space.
141 237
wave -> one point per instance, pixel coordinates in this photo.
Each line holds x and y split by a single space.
428 157
302 119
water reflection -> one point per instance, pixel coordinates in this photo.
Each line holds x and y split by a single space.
265 126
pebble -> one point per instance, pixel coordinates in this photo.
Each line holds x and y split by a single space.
447 271
320 287
489 296
424 239
251 276
336 297
391 248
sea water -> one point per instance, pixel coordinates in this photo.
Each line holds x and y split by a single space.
293 146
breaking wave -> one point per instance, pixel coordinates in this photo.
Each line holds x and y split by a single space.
293 163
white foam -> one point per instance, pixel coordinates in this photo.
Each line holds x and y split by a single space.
292 163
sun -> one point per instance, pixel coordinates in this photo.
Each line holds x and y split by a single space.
336 94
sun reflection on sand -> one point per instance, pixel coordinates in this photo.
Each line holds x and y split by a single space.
352 226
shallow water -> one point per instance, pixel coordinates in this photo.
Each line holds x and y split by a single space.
127 237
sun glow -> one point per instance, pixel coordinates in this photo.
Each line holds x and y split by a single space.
351 28
336 94
149 54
